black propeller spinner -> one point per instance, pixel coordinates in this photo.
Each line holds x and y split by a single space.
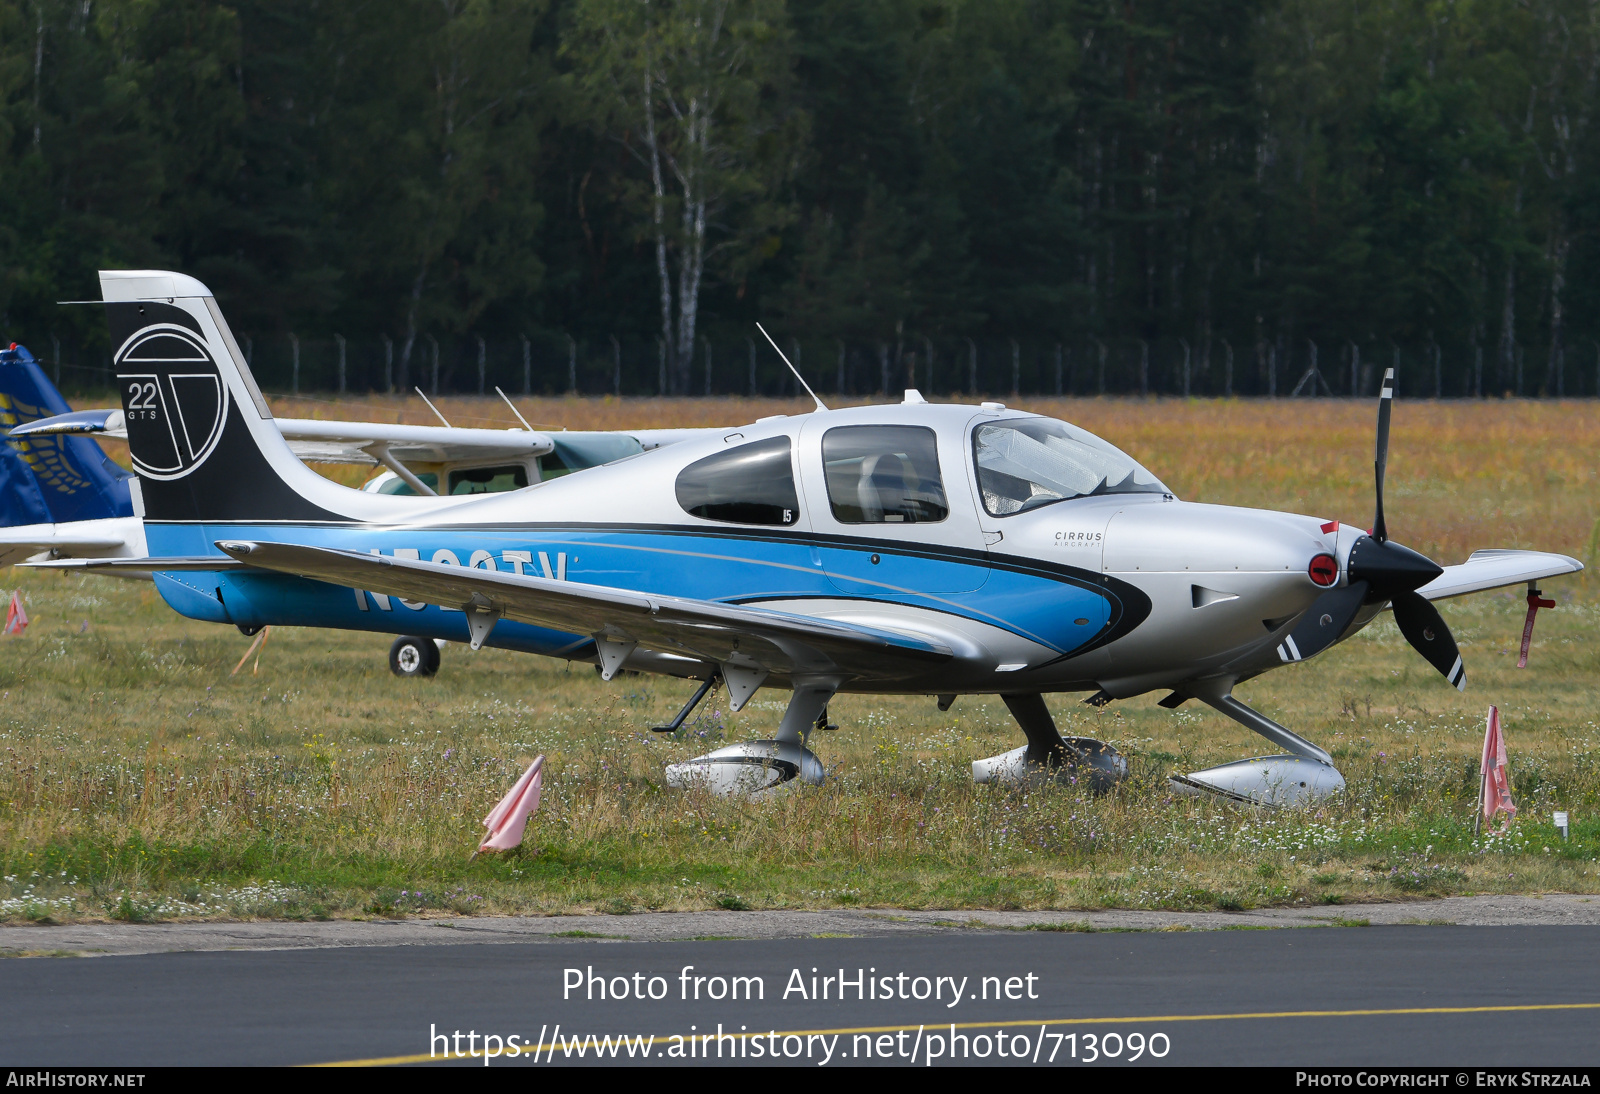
1381 570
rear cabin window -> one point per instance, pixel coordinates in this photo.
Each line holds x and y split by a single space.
488 480
751 484
883 474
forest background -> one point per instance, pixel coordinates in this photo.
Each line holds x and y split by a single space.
1183 196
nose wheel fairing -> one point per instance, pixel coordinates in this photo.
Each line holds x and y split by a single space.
1304 777
1264 780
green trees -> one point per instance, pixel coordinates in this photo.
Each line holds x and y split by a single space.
1151 187
695 91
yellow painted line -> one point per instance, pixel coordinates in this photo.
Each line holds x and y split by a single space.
528 1050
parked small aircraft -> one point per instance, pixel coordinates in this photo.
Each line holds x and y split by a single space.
911 548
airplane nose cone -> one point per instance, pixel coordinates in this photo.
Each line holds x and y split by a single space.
1389 566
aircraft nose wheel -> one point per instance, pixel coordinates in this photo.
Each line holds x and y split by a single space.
412 656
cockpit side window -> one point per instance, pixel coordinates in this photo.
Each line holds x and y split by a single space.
1024 463
751 484
883 474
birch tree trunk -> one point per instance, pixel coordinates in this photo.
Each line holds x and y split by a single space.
685 86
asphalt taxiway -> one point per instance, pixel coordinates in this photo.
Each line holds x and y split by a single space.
1420 994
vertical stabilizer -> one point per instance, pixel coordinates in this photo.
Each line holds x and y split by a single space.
50 479
200 433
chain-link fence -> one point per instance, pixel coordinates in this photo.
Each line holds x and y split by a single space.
547 363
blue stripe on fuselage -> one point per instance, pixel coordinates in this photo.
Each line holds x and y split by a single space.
1040 605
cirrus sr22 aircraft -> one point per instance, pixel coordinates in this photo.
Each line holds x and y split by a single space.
907 549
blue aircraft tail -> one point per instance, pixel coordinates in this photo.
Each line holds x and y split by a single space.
54 478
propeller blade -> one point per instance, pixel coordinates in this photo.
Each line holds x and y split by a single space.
1321 626
1425 629
1380 458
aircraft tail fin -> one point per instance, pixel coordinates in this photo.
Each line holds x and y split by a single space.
51 479
199 431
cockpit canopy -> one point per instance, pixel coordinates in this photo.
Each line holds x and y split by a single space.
1024 463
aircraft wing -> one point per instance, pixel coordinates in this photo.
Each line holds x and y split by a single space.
726 634
1495 569
339 442
357 442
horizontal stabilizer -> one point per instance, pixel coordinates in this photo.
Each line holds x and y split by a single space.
109 537
193 564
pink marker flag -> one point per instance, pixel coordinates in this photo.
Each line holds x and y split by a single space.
507 821
16 615
1496 792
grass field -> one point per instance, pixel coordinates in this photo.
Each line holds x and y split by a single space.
140 780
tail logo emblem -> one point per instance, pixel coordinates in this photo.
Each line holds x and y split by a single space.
174 399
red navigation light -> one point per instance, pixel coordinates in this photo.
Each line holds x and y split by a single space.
1324 570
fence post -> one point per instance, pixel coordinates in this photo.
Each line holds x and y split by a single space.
616 366
1184 342
340 339
1227 369
572 365
1144 368
972 366
483 362
527 366
434 342
388 365
1101 374
1016 368
295 343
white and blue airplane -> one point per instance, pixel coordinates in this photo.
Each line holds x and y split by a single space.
905 549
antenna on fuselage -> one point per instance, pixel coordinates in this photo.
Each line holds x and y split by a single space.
820 404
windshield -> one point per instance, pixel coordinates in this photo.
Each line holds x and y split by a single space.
1024 463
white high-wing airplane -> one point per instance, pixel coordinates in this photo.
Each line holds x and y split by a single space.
912 548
